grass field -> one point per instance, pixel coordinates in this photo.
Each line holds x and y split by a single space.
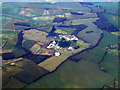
86 15
74 75
109 39
112 18
36 35
110 63
10 37
60 31
14 83
83 21
89 37
68 30
73 6
93 55
17 52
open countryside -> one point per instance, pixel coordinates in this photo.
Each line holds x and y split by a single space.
59 45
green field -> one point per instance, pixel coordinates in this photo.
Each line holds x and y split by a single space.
109 39
110 63
11 36
86 15
36 35
73 6
93 55
91 38
83 74
68 30
110 17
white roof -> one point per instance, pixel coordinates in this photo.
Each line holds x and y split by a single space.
54 42
57 53
51 46
70 48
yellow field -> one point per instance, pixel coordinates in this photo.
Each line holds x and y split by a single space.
35 48
53 62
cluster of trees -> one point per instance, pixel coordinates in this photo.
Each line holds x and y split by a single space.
63 43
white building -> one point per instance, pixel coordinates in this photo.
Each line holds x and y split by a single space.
57 53
68 37
57 47
54 42
51 45
70 48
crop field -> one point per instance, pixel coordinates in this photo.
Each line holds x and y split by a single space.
60 31
10 37
36 35
43 20
12 71
110 63
71 74
68 30
112 18
73 6
94 55
41 5
89 37
83 21
9 25
35 48
86 15
17 52
111 8
4 21
31 12
53 62
31 71
109 39
21 71
28 44
46 27
95 10
14 83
